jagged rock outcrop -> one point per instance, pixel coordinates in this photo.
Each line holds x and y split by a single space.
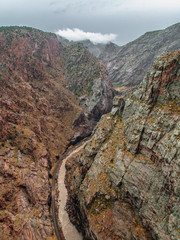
128 64
125 183
39 117
93 85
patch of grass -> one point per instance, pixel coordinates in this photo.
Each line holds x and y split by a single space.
171 106
33 158
100 204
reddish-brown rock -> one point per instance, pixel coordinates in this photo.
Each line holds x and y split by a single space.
39 116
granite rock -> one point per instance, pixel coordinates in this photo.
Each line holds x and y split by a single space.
127 65
125 182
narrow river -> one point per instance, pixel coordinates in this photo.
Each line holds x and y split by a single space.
68 229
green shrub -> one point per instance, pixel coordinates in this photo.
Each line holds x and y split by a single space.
10 137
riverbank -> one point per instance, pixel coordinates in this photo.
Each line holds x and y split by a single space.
68 229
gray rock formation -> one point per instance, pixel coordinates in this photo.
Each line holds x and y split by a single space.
125 183
94 48
88 79
127 65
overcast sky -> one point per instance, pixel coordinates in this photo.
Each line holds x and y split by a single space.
120 20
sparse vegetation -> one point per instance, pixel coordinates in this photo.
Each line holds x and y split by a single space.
33 158
100 204
82 66
10 137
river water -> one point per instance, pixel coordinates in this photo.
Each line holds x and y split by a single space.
68 229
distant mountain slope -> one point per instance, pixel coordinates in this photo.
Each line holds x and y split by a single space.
127 65
95 49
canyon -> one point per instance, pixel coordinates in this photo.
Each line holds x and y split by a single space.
50 97
123 182
127 65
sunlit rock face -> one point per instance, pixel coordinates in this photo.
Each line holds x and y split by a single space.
40 115
124 184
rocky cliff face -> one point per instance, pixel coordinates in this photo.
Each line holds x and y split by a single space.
127 65
39 117
93 85
125 183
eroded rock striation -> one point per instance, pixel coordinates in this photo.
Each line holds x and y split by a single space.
40 116
127 65
125 183
93 85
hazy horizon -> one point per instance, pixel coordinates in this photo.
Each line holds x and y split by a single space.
120 21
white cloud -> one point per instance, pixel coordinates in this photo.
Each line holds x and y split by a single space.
76 34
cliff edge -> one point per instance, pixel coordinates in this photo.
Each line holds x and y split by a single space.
125 183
